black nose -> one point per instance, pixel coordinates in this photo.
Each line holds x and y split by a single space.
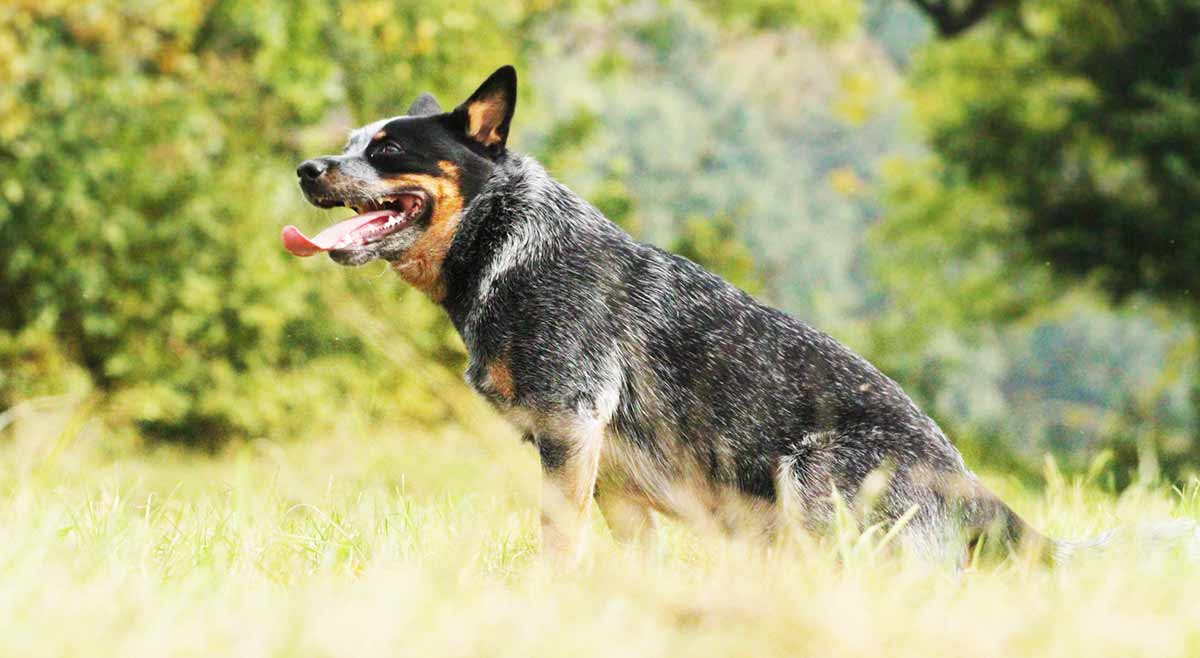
311 169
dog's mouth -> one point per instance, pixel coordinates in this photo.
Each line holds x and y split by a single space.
375 221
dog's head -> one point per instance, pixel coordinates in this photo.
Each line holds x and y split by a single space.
408 178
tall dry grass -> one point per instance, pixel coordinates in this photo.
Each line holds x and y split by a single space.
401 544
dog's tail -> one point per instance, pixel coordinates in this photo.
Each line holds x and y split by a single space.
1001 531
1177 534
994 530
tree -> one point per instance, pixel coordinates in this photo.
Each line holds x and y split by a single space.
952 17
1086 126
1066 158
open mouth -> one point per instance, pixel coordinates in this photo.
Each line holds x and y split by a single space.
375 220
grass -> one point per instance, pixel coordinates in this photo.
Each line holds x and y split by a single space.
398 544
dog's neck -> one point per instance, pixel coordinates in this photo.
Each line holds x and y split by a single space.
520 218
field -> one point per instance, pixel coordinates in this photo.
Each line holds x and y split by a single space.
422 544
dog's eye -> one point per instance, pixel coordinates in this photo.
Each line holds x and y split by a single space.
388 148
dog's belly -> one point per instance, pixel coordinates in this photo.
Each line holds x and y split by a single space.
680 489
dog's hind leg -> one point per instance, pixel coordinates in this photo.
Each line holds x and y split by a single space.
630 520
570 452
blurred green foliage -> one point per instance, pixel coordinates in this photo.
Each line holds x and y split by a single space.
1082 122
828 19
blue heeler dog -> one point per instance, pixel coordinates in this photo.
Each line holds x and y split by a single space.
645 381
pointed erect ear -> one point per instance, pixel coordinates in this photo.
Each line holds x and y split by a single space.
488 111
425 105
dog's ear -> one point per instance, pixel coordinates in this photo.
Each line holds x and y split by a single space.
425 105
485 116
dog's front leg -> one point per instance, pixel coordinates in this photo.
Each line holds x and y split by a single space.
631 521
570 454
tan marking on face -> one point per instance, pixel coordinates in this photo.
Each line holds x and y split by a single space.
421 265
379 135
485 116
501 378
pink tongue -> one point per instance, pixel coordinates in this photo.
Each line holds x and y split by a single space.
301 245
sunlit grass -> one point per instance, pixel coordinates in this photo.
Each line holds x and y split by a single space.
423 544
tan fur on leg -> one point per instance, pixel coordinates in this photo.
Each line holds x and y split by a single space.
631 521
568 481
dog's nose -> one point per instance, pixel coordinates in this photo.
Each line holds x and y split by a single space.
311 169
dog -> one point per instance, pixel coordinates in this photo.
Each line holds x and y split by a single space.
646 382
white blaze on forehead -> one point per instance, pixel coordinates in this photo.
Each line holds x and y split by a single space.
359 138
